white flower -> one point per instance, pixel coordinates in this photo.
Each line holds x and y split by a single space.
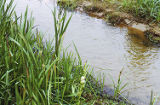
83 80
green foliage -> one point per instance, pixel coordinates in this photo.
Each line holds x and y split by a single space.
31 71
118 87
60 27
153 99
144 8
68 4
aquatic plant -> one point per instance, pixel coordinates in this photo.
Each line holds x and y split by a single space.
153 99
60 26
31 71
118 87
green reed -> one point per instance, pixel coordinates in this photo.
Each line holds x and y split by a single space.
118 86
31 71
153 99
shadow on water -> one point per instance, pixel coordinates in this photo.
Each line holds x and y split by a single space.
141 57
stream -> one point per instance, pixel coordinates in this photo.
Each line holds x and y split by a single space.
107 49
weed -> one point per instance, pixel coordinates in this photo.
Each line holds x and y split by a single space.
118 87
152 99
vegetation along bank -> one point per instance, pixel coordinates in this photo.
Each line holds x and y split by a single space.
141 17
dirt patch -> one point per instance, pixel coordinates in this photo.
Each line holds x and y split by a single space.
94 8
115 19
99 15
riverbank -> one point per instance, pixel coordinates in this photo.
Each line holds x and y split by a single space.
32 71
116 14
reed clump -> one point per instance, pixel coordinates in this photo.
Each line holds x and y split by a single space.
31 71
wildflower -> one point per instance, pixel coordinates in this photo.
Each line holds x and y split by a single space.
83 80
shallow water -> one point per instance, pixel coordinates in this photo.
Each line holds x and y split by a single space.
108 49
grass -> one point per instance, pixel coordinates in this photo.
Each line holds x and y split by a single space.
146 9
32 72
68 4
118 87
153 99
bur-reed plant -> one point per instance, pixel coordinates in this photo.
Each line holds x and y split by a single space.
118 86
153 99
31 71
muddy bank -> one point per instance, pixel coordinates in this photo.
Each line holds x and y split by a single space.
109 13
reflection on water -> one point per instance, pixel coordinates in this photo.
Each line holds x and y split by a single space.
140 57
106 47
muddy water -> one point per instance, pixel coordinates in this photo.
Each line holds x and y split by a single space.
108 49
